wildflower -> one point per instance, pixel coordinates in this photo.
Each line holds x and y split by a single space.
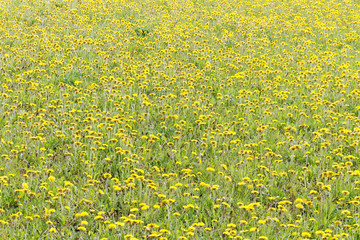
81 228
306 234
112 226
299 206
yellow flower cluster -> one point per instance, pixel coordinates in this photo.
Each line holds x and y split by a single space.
186 119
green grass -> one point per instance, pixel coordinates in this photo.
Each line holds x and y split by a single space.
179 119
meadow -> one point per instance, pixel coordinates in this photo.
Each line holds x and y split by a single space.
179 119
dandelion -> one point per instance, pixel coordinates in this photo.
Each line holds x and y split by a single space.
306 234
81 228
51 179
299 206
112 226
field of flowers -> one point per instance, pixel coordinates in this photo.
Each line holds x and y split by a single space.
179 119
